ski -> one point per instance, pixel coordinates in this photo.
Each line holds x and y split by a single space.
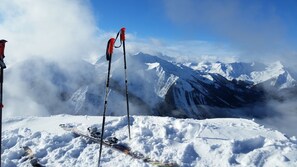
112 142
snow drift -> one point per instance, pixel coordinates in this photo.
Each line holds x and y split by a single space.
188 142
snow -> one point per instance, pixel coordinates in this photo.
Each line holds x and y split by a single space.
253 72
188 142
152 65
79 97
164 82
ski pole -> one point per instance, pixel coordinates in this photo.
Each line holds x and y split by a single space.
122 39
1 82
3 66
109 51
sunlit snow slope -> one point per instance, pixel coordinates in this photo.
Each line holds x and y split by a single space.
275 74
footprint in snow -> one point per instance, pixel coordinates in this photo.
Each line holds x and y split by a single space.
189 156
248 145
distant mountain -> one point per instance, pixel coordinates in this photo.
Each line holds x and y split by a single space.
186 92
275 74
156 86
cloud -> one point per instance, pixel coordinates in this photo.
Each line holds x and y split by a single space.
255 28
51 32
65 30
56 29
283 116
182 51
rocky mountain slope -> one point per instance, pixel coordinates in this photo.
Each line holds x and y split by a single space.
156 86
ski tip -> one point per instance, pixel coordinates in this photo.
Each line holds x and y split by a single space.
161 164
67 126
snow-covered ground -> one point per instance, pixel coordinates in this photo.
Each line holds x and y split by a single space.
188 142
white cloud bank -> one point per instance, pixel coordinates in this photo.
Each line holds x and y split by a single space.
182 51
55 29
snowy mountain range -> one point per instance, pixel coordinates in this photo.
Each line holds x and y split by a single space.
156 86
275 73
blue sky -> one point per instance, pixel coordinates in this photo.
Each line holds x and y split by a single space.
252 29
249 29
188 20
145 18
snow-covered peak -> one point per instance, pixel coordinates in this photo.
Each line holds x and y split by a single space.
275 73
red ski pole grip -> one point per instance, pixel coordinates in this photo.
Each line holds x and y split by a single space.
123 34
109 49
2 47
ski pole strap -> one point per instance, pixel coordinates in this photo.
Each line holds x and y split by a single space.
122 36
109 48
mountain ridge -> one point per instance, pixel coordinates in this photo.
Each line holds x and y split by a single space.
254 72
156 87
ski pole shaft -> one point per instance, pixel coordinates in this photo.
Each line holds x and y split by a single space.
123 38
126 85
109 51
1 96
101 141
2 66
104 112
1 91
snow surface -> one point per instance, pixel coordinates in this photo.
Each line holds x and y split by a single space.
188 142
